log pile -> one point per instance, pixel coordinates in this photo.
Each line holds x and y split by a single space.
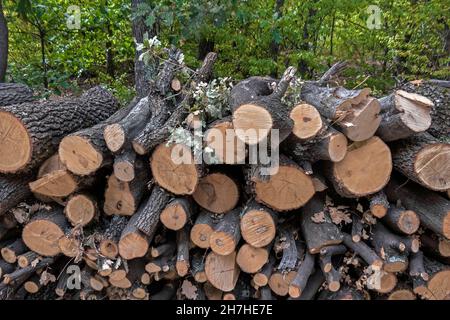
95 204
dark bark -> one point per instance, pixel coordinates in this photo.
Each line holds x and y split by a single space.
14 93
13 190
291 252
227 233
3 44
182 264
110 237
364 251
299 284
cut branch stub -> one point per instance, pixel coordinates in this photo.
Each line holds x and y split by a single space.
423 159
365 170
284 188
403 115
32 131
174 169
258 224
217 193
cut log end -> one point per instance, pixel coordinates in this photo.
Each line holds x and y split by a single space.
432 166
251 259
16 146
403 294
364 120
114 137
42 237
365 170
119 199
133 245
80 210
387 282
222 271
258 228
408 222
307 121
217 193
222 243
70 247
439 285
444 247
174 217
32 286
260 279
337 147
174 169
378 210
59 183
252 123
279 283
109 248
415 110
222 139
200 235
288 189
79 156
124 171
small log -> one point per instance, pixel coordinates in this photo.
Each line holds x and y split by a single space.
332 275
291 250
110 237
166 249
123 198
202 229
174 169
345 293
318 234
81 209
44 230
198 267
177 213
392 248
32 285
14 93
227 233
122 132
258 224
133 243
32 131
435 246
438 284
182 264
160 264
403 115
217 193
401 220
25 259
13 190
423 159
357 228
262 277
251 259
433 210
280 282
365 170
257 108
222 139
222 271
124 165
304 271
353 111
402 293
313 285
85 151
13 250
378 204
136 269
364 251
284 188
5 268
61 285
70 245
211 292
419 275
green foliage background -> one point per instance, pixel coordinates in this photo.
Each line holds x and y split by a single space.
252 37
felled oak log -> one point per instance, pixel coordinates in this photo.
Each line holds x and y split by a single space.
14 93
13 190
32 131
423 159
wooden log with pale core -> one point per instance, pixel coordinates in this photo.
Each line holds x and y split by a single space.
403 115
202 229
227 233
32 131
251 259
217 193
177 213
222 271
365 170
81 209
258 224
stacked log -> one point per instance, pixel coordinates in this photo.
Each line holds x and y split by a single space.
351 208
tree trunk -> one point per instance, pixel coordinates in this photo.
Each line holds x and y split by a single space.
14 93
3 44
13 190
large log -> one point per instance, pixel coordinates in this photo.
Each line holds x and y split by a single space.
222 271
403 115
353 111
433 210
13 190
14 93
32 131
365 170
423 159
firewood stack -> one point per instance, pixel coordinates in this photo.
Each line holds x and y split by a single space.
91 194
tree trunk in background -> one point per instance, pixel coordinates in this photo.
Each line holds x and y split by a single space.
43 58
305 46
3 44
139 27
205 46
274 45
109 48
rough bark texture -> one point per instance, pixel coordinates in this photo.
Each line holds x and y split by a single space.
13 190
46 124
227 233
423 159
433 210
14 93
